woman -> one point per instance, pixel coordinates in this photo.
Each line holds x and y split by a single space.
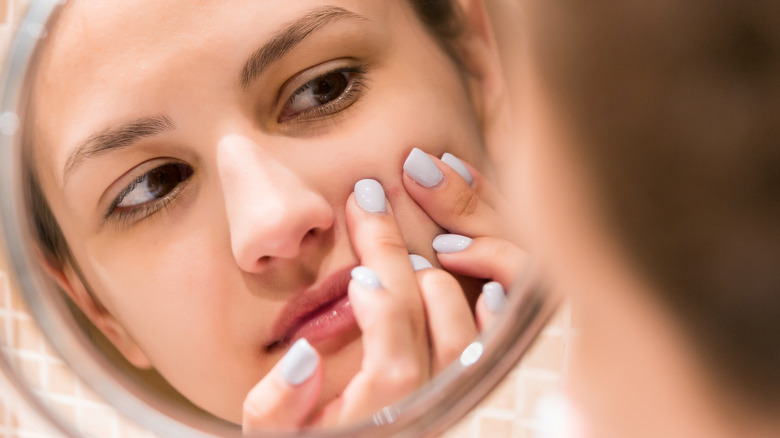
649 167
196 169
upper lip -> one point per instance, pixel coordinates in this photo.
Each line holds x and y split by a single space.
306 304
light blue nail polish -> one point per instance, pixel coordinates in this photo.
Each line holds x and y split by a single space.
366 278
457 166
419 262
370 196
495 297
300 362
420 167
449 243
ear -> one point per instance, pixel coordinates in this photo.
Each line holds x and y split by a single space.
480 52
72 284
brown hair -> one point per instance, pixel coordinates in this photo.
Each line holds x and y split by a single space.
676 107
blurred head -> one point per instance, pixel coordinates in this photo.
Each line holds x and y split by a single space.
650 171
193 164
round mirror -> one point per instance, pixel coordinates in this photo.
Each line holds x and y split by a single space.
258 216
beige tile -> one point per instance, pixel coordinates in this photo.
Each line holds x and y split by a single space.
494 427
63 410
98 421
522 431
547 353
17 301
61 379
462 429
27 336
30 371
558 319
530 389
503 396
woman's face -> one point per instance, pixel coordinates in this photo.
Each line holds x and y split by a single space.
198 160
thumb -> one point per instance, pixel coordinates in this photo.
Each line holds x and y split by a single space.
285 397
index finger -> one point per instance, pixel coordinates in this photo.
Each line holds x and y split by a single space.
454 195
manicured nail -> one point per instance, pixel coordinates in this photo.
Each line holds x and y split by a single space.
299 363
370 196
366 278
457 166
495 297
419 262
421 168
449 243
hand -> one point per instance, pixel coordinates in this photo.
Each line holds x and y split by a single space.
414 323
462 201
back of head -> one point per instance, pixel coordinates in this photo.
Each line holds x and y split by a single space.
677 106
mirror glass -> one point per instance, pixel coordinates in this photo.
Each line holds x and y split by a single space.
264 215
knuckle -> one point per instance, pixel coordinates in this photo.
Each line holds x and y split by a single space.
449 352
434 280
466 203
254 410
404 376
504 250
389 241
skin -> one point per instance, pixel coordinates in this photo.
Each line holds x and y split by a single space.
634 371
266 213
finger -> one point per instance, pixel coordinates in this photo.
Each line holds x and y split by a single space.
380 246
451 325
392 367
484 188
490 303
389 335
482 257
286 396
445 194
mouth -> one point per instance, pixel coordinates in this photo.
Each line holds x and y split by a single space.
321 314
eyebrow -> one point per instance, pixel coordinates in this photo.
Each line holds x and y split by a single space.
259 61
116 138
289 37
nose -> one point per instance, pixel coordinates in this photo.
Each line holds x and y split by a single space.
271 212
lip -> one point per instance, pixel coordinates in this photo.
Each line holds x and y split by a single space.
320 314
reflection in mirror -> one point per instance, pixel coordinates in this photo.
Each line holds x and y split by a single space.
277 215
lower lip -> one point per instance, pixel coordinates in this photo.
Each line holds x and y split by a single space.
330 326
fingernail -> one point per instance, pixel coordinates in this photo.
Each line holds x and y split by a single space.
457 166
421 168
299 363
366 278
419 262
370 196
449 243
495 297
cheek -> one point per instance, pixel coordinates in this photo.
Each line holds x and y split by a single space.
161 285
169 283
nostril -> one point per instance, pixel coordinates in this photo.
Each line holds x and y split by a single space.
311 234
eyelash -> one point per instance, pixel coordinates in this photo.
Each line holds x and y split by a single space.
356 86
125 217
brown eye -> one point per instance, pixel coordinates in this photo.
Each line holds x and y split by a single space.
323 95
152 186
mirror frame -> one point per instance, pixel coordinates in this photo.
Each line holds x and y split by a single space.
430 410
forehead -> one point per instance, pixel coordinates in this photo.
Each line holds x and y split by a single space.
120 59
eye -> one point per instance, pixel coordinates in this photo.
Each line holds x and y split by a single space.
150 189
326 94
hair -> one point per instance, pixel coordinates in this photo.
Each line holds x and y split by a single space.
441 19
674 109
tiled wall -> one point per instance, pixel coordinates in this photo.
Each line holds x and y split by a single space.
508 412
